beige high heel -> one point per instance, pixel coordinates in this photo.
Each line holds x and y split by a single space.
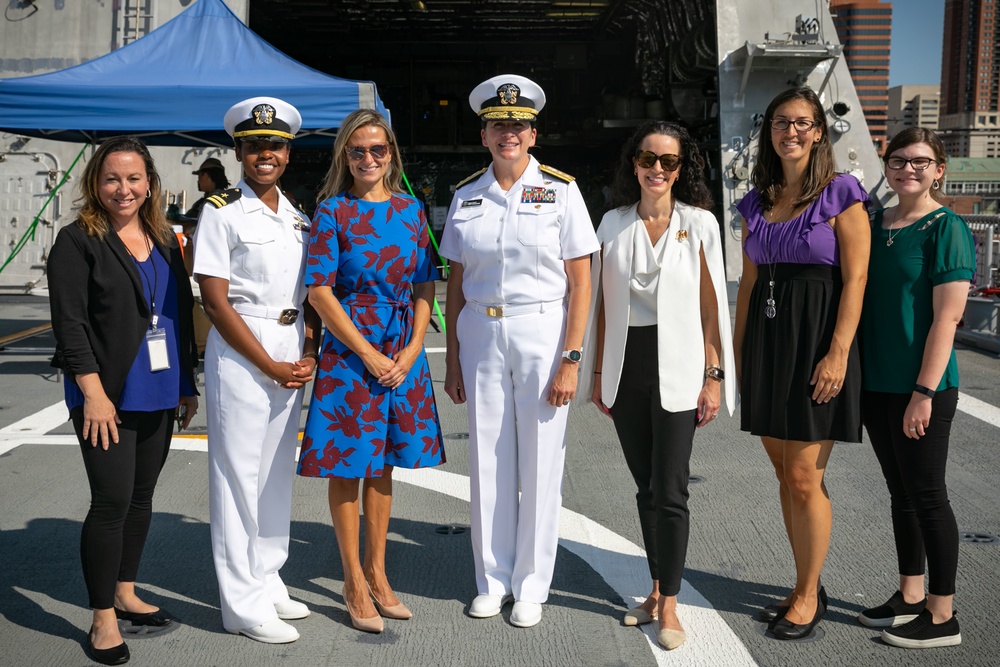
397 611
373 624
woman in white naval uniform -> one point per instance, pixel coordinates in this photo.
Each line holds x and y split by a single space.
660 339
250 251
519 238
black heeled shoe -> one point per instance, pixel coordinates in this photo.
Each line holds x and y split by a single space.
156 619
785 629
773 613
116 655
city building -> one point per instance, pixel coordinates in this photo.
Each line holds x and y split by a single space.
970 87
913 106
864 28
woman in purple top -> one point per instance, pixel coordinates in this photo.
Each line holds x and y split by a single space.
805 258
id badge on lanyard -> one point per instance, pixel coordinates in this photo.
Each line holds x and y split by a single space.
156 343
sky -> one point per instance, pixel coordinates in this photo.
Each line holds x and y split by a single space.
917 33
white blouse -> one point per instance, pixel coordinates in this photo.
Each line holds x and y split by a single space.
647 258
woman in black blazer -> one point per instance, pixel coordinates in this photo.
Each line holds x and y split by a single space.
121 313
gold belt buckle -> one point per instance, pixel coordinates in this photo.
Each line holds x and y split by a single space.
288 316
494 311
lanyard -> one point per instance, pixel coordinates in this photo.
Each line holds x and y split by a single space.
154 284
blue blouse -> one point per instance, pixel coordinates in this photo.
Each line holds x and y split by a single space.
146 390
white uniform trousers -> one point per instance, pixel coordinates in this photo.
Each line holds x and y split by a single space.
252 435
514 435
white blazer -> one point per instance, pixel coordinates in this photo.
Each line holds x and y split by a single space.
680 340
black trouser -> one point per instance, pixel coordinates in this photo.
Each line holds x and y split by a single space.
657 448
122 479
914 470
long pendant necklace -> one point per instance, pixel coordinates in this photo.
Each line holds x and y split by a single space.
769 310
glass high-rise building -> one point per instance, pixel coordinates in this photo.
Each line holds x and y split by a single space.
864 28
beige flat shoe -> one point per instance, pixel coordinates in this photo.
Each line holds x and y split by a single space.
670 639
639 616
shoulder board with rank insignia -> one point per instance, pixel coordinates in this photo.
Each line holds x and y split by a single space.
474 176
223 198
561 175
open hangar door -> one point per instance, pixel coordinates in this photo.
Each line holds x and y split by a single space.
606 66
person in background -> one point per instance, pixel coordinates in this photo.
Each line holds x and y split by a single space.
250 252
661 318
121 314
373 402
805 257
922 261
519 239
212 182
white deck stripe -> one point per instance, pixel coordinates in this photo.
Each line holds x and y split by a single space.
979 409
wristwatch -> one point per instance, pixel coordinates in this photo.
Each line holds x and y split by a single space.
574 356
921 389
715 373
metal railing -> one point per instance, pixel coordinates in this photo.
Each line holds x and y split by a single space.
986 231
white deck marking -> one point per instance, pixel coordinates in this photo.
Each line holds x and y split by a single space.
979 409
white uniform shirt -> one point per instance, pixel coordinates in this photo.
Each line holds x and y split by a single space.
261 253
512 244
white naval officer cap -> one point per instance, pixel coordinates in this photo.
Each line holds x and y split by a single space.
264 118
507 97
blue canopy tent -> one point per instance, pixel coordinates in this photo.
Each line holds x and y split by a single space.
173 86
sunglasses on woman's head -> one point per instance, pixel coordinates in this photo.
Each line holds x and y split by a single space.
668 161
357 153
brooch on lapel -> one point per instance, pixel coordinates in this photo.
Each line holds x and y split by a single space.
682 235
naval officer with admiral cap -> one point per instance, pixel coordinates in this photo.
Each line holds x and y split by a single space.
519 238
249 261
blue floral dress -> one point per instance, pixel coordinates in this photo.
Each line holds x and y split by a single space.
371 254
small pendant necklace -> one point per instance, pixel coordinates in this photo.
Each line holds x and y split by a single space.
888 241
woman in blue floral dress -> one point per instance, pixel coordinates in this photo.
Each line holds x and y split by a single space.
371 277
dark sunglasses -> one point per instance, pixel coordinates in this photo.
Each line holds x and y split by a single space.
378 151
668 161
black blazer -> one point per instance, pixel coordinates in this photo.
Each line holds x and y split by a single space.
99 312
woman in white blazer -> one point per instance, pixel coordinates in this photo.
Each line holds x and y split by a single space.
660 341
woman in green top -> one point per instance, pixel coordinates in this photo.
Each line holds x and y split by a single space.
922 261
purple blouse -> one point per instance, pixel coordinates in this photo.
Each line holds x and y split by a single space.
807 238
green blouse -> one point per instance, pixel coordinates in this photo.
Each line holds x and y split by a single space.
898 308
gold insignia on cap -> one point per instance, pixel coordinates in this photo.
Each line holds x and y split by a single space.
263 114
508 93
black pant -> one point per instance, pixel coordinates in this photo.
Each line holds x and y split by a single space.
122 480
657 448
922 519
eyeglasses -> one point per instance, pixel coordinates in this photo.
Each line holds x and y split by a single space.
801 125
918 163
668 161
357 153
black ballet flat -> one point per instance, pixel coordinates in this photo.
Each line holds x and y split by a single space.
156 619
785 629
116 655
773 613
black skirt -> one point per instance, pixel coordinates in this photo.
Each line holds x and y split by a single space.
780 355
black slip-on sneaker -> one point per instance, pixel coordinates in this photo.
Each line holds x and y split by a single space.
893 613
922 632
